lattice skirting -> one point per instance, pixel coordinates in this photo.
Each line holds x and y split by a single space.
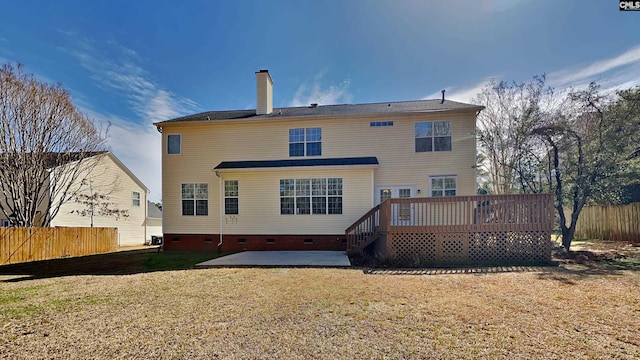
470 248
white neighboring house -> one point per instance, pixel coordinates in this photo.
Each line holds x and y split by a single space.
154 221
121 191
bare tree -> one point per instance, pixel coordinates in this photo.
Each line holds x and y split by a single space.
46 147
96 203
511 156
591 144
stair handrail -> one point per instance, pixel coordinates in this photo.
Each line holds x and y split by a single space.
363 218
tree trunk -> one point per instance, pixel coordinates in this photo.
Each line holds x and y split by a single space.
567 236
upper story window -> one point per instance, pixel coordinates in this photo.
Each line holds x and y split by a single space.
135 198
173 144
195 199
305 142
380 123
231 197
433 136
443 185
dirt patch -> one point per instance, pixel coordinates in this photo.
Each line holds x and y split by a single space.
582 256
583 251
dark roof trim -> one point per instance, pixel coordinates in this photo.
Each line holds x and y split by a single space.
297 162
386 108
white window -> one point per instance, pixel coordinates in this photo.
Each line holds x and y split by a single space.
443 185
174 143
231 197
135 198
305 142
195 199
311 196
4 223
433 136
380 123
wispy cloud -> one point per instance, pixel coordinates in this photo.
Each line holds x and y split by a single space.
606 70
4 49
122 71
137 145
462 94
317 92
615 73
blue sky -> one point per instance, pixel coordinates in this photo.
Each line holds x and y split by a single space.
131 63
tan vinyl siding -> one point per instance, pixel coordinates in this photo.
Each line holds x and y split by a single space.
4 202
42 207
259 203
110 179
205 145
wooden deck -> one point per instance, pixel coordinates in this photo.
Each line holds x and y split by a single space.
459 230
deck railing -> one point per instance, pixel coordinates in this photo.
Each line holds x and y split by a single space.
364 231
466 212
482 219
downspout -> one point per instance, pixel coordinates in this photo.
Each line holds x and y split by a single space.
373 188
146 215
221 210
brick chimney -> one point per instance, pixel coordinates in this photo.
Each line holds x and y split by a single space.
264 92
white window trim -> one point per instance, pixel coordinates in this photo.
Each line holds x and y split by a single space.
179 150
4 223
311 196
195 212
224 184
442 177
385 123
433 136
305 142
133 198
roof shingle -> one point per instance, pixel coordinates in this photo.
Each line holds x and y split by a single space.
343 109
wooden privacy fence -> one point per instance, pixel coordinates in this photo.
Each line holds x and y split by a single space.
614 222
458 230
33 244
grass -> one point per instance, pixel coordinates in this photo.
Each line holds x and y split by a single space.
175 261
119 263
159 308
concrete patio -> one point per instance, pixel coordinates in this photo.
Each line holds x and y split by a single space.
280 258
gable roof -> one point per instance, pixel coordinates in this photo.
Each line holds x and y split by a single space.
113 158
126 170
325 110
153 211
48 160
56 159
296 162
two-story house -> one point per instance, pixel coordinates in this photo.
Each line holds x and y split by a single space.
297 177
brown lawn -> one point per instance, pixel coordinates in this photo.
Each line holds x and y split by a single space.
146 310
